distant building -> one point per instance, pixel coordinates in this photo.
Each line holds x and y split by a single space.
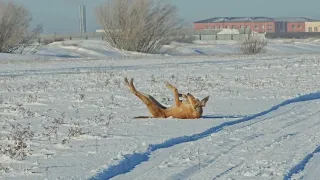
312 26
259 24
82 19
290 24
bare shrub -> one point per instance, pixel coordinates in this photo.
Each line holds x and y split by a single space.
59 121
47 41
32 98
50 131
17 146
75 131
182 36
138 25
4 169
70 44
184 39
58 39
81 97
253 44
14 24
51 40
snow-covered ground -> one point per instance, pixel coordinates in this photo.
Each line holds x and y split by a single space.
262 120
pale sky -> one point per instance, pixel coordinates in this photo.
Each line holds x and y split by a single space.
61 16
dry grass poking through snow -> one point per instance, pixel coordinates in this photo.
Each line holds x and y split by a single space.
43 116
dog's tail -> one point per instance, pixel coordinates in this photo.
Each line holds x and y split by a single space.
142 117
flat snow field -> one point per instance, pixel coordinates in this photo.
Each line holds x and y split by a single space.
68 105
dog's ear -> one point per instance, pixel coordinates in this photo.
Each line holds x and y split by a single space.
204 101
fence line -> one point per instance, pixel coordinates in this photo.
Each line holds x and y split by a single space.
96 36
198 35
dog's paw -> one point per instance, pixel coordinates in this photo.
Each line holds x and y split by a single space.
168 85
131 81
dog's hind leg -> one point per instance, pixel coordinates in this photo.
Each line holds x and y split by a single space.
142 96
155 109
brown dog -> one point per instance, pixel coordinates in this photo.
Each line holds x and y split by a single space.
191 108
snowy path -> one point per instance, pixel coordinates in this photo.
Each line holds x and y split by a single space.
237 148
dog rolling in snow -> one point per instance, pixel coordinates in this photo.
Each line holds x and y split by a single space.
190 108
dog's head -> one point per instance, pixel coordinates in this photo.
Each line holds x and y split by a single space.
196 103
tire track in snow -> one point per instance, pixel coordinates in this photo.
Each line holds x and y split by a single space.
301 165
290 135
131 161
297 121
189 172
226 171
192 171
277 115
282 138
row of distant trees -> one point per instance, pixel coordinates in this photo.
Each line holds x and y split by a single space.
132 25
